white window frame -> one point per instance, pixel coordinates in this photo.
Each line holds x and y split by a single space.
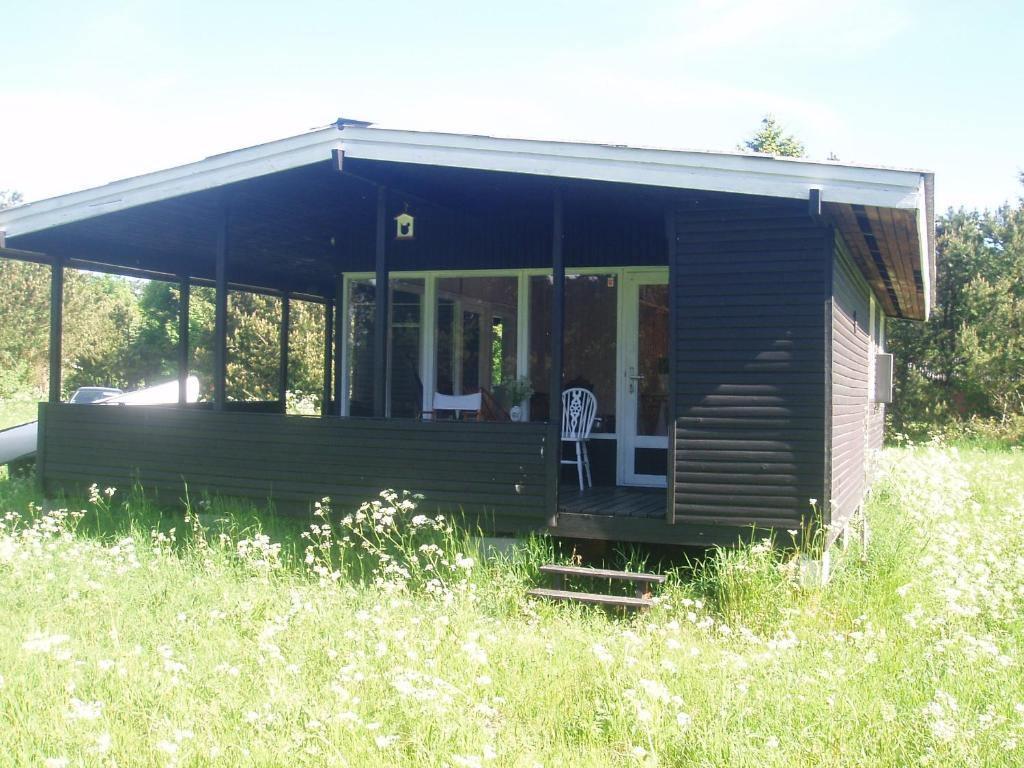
428 319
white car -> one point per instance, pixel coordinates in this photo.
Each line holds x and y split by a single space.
85 395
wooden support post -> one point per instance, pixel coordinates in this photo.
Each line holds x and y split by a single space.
671 239
184 296
557 311
282 367
220 334
325 400
56 327
557 345
380 326
339 341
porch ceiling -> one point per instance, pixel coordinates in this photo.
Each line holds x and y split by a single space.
884 246
290 231
297 229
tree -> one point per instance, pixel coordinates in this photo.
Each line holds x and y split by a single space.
772 140
9 197
968 360
24 314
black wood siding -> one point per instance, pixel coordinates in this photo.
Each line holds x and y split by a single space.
750 292
495 473
521 239
852 412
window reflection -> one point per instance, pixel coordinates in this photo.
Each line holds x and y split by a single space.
477 325
405 387
360 325
589 355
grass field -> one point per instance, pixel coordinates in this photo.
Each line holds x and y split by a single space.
124 642
17 411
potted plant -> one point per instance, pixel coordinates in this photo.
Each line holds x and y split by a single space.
511 394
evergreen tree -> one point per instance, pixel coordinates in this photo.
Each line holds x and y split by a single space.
771 139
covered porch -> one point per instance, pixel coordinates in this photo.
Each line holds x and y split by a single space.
509 281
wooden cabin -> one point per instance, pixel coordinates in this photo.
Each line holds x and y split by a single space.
726 310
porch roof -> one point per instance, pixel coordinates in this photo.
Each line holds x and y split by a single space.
886 215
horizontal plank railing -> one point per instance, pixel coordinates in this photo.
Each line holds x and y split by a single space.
493 472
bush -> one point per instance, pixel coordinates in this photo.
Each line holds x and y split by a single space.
997 433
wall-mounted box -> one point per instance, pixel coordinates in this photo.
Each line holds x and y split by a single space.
883 377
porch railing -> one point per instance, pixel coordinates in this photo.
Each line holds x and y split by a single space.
496 473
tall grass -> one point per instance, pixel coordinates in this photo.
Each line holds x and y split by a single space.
133 636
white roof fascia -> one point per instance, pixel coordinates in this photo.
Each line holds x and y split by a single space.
712 171
215 171
923 244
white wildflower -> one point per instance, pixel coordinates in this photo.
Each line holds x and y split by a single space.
83 710
40 643
383 742
102 745
602 654
476 654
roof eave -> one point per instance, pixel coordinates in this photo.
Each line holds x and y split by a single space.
710 171
209 173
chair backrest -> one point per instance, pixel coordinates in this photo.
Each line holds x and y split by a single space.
457 402
579 406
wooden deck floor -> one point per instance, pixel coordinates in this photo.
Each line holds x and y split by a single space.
613 501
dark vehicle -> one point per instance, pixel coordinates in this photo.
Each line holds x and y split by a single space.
86 395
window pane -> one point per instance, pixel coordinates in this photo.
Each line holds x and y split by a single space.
476 340
591 305
652 360
361 313
404 348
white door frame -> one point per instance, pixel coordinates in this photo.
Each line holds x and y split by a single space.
626 403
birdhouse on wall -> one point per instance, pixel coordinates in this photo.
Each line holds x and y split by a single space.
404 226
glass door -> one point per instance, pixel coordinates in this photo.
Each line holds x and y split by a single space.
643 383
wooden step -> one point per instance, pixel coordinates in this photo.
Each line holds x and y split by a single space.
601 573
610 601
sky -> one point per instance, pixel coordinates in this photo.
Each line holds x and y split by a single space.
98 91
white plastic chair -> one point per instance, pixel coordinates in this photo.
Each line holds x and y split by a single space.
579 406
457 403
